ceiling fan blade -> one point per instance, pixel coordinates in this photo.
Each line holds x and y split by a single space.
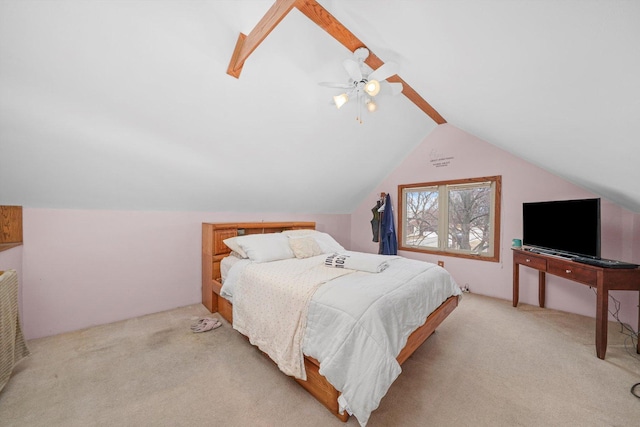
384 71
336 85
353 69
395 88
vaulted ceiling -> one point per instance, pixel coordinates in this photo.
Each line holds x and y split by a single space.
128 105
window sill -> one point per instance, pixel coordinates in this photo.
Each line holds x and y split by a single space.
494 258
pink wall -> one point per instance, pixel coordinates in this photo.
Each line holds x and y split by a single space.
83 268
634 237
11 259
466 156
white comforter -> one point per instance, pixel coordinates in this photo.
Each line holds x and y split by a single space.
357 324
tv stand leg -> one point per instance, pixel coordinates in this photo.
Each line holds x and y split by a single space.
541 287
602 317
516 283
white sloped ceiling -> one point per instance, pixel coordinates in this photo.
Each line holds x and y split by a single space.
127 105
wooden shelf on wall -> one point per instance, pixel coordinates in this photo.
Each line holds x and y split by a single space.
10 227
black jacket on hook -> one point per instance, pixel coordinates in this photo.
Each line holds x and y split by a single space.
388 230
375 222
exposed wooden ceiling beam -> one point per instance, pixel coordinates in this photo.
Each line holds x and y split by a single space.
325 20
318 14
247 44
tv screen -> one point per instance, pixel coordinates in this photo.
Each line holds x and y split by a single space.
567 226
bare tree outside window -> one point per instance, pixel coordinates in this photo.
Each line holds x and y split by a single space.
469 219
422 218
458 218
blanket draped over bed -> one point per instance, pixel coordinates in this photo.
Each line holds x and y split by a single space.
270 307
354 323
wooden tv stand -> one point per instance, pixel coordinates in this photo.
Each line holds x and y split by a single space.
603 279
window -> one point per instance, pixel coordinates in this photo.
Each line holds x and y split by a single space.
458 218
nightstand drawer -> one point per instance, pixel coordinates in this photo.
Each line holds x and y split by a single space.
572 272
531 261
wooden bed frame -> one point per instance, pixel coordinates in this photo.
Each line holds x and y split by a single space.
214 250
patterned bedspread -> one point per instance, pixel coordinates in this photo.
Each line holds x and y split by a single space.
270 307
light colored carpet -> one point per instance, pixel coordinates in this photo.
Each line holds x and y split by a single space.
489 364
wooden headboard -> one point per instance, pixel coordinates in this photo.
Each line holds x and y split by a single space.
214 249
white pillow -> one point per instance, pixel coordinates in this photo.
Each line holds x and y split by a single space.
327 243
299 233
232 243
235 254
265 247
304 247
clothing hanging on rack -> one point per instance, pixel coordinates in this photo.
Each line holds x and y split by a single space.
388 239
375 221
377 216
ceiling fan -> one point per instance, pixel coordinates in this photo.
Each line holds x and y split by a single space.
364 84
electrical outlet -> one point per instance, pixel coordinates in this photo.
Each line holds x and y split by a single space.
441 264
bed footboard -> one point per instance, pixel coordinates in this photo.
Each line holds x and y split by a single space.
320 388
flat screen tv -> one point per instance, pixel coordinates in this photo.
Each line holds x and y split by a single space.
566 227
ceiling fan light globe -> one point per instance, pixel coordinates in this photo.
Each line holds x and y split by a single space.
340 100
372 107
372 87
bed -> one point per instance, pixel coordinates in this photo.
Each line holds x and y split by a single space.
216 298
